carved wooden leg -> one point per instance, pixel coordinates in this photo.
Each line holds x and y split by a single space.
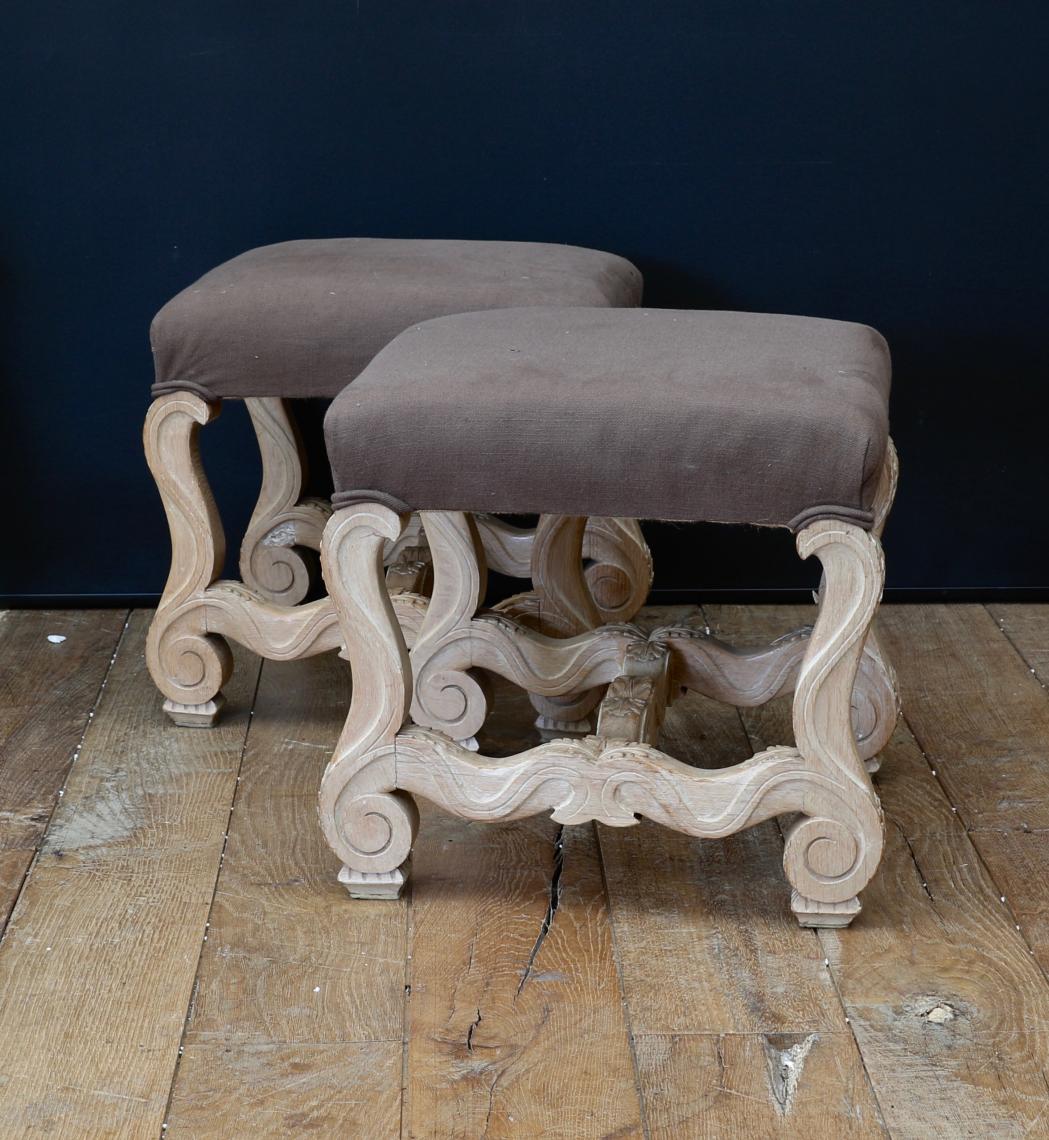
456 702
368 824
618 567
875 703
565 607
616 560
884 694
409 567
188 664
276 556
876 697
834 847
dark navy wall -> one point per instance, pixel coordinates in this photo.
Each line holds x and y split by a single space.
884 162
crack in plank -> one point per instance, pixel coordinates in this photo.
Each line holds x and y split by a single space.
551 910
470 1032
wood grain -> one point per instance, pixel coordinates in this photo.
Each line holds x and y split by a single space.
947 1008
710 911
285 1091
717 975
289 958
515 1021
1015 847
950 1009
274 562
97 967
720 1086
979 714
1027 628
47 693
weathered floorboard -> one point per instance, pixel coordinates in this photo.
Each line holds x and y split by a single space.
282 1091
1027 628
47 692
977 711
950 1010
1013 840
928 1017
733 1086
515 1021
297 982
718 977
97 966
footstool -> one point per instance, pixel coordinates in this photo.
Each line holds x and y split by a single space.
725 417
301 319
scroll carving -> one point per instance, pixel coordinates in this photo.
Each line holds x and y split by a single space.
188 662
368 823
276 557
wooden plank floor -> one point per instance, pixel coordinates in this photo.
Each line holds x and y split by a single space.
177 959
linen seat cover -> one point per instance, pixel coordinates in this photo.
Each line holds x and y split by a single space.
645 413
302 318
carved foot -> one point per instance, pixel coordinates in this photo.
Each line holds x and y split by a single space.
196 716
809 912
374 884
550 728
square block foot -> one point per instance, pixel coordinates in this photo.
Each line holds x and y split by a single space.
374 884
822 914
195 716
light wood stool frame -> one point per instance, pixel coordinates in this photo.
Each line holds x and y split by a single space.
417 693
187 649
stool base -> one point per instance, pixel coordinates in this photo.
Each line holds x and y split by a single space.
618 777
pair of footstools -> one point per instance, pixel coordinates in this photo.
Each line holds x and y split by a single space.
476 379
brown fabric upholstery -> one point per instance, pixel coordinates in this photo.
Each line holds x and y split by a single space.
302 318
646 413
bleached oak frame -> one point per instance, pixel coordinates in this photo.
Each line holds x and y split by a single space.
187 650
382 759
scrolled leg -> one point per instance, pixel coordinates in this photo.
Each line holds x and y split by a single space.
875 703
617 562
366 821
834 847
876 698
277 558
566 607
453 701
618 567
188 664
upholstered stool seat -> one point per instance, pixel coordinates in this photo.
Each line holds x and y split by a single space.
724 417
732 417
302 318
